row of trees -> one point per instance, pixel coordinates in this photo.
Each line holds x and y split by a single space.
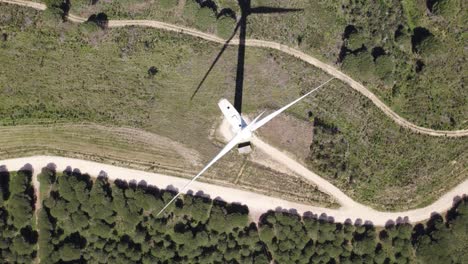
310 240
204 14
97 221
61 9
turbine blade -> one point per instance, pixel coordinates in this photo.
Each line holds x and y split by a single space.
234 141
274 114
255 120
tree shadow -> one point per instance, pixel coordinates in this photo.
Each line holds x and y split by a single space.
418 231
51 171
419 35
208 4
453 212
31 236
4 183
76 239
231 208
202 195
227 12
101 20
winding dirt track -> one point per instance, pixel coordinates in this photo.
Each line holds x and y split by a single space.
257 203
272 45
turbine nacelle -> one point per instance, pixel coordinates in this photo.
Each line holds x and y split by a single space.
242 132
235 120
238 125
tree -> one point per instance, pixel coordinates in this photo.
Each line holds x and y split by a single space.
445 242
46 178
58 8
225 25
99 205
19 207
384 67
360 63
445 8
21 246
74 229
355 41
69 252
364 241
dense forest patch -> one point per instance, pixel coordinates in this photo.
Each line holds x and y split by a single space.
92 220
18 234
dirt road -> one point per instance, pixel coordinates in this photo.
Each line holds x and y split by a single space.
257 203
272 45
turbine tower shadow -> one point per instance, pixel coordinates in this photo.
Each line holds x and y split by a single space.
246 10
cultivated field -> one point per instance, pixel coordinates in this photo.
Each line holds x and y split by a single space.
141 150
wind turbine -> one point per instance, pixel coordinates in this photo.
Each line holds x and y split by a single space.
243 132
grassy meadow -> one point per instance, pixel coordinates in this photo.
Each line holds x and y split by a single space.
409 52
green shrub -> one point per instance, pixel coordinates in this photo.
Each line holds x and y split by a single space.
355 41
429 47
384 67
360 64
446 8
225 26
205 18
69 252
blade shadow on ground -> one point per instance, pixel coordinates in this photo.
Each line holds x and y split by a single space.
226 44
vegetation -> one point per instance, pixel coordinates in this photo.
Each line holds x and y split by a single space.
421 76
103 78
372 159
84 219
444 240
141 150
96 221
348 33
17 235
57 9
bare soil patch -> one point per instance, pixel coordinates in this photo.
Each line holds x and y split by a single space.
289 134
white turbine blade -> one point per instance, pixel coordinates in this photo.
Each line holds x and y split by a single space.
255 120
274 114
234 141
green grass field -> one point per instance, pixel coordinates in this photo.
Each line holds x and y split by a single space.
66 73
423 83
